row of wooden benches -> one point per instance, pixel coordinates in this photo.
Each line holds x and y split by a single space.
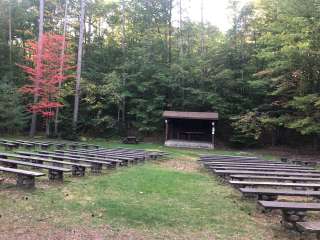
14 144
59 162
266 180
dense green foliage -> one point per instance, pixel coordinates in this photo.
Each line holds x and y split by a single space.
262 76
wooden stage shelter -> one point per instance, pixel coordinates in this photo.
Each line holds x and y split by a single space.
190 129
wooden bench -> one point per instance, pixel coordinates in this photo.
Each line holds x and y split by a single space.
136 156
228 158
241 184
78 169
313 163
9 146
60 145
257 162
252 163
25 179
130 140
120 160
292 212
258 166
96 165
113 162
73 146
271 194
225 173
55 173
267 169
224 156
43 145
27 145
309 227
258 177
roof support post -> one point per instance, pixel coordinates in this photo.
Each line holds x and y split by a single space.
167 128
213 133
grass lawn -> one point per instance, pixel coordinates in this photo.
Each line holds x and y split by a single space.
157 200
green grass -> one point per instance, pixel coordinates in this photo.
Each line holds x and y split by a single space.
142 197
148 197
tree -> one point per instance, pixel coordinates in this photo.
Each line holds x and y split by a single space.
123 47
62 58
79 65
38 66
10 32
45 80
13 116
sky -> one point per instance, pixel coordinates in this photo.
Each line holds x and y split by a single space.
215 11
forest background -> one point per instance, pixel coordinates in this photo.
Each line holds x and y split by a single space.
262 76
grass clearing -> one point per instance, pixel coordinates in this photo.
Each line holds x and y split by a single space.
157 200
142 197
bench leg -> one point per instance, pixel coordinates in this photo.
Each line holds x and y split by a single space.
124 163
96 168
56 164
250 197
36 162
78 171
112 165
291 217
25 181
10 165
9 148
267 197
55 175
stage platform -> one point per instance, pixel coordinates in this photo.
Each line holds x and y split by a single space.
188 144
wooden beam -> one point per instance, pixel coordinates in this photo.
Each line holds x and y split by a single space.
167 128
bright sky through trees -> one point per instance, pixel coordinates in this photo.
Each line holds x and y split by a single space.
215 11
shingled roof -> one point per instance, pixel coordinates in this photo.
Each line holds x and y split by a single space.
191 115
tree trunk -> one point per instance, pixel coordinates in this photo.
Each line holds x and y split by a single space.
123 46
170 34
315 142
79 62
202 28
10 34
89 30
180 28
47 127
38 67
56 121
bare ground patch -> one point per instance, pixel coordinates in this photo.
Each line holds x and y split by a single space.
185 164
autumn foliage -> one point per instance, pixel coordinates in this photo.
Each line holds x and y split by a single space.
46 77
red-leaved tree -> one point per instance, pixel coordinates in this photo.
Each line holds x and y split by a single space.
45 78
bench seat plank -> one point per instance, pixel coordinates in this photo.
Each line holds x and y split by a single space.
269 169
59 153
312 227
21 171
258 177
63 157
92 156
275 184
273 173
259 166
290 205
43 166
284 192
25 157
